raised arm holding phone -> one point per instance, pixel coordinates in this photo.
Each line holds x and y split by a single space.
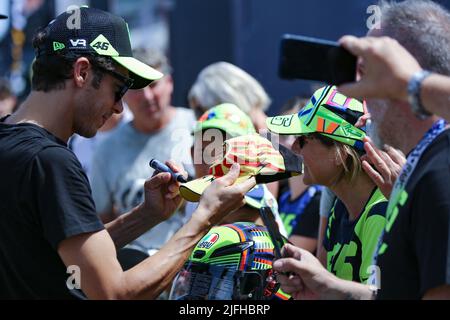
388 69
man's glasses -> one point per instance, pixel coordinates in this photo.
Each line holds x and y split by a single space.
126 83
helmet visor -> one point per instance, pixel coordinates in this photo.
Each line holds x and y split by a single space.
199 281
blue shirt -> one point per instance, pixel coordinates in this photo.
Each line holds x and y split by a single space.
292 210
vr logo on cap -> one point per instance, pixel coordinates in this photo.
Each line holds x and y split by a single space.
78 43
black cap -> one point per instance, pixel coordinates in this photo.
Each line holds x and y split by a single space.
96 32
2 16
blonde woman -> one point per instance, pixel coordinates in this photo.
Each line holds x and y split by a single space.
331 147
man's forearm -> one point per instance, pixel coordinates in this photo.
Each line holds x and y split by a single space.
435 95
130 226
148 279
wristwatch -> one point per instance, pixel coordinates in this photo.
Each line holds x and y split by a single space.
414 86
374 291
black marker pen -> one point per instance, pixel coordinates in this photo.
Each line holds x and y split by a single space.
159 166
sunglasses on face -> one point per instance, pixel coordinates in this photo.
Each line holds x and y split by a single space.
301 140
126 83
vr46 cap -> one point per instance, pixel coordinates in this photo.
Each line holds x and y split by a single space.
329 113
99 33
226 117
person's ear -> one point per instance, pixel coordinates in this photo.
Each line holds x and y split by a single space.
81 69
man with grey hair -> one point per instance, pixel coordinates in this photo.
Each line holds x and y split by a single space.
121 162
413 256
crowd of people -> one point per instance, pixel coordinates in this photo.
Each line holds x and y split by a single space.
354 175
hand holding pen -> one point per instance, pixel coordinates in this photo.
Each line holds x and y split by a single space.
161 167
161 193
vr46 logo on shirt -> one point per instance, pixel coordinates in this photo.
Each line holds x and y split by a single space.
103 47
341 260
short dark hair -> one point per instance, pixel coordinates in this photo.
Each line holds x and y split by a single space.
51 71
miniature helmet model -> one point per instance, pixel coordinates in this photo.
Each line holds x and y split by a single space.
231 262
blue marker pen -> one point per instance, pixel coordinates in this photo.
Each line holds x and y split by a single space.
159 166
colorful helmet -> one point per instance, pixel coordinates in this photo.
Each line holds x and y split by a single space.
231 262
226 117
329 113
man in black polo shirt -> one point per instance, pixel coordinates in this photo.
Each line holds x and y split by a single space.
48 221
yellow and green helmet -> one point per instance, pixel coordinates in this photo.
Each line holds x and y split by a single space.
231 262
329 113
228 118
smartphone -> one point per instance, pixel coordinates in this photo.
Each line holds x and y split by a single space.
315 59
268 218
